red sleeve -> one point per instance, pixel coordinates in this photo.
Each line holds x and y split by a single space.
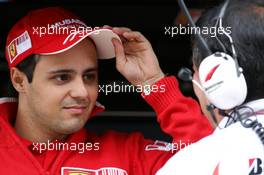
179 116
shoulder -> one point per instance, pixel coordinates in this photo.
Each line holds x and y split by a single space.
218 152
8 108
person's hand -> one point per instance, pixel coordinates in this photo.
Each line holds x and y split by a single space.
135 58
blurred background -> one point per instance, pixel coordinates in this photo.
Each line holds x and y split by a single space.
124 111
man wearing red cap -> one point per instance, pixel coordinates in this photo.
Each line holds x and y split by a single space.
53 66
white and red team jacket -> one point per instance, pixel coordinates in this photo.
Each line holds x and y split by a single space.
112 153
231 150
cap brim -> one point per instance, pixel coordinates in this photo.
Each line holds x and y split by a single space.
103 41
101 37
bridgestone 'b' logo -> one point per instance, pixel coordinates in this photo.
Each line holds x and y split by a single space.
256 166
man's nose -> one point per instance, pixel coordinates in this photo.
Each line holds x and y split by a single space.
79 89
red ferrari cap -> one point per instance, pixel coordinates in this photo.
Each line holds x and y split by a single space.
53 30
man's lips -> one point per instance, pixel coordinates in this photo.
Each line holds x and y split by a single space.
76 109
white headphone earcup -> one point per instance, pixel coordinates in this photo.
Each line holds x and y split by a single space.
221 84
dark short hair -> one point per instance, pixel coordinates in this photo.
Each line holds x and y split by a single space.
246 19
27 66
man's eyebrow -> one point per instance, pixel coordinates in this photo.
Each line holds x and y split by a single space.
94 69
61 71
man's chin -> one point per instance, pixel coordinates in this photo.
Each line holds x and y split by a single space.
71 127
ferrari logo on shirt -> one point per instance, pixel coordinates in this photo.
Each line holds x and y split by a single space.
101 171
78 173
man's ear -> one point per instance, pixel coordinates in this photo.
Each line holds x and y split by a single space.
18 79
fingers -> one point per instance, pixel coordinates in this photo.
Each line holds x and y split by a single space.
121 30
119 52
127 34
107 27
131 36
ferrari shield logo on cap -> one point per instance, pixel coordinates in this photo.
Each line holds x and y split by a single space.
12 50
18 46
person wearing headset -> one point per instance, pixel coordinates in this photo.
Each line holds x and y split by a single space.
229 85
228 81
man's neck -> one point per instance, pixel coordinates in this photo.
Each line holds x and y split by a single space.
28 129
